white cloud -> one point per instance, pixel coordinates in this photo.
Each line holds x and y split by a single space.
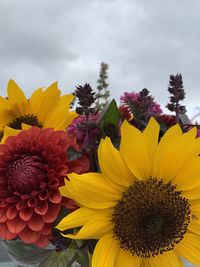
142 41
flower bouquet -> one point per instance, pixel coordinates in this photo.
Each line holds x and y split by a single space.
84 183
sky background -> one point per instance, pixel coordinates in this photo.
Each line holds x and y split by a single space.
143 42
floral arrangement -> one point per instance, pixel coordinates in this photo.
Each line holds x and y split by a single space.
87 185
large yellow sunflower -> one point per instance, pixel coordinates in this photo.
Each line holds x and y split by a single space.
144 206
45 109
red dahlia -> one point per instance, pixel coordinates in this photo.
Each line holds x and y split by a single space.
33 165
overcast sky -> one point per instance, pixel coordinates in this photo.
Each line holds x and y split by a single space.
143 42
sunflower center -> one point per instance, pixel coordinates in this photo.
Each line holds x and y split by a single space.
150 218
29 119
24 174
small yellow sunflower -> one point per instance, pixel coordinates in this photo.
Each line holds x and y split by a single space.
144 206
45 109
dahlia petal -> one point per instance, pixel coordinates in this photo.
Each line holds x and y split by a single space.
13 199
5 233
41 207
29 236
36 223
26 214
3 216
11 212
21 205
44 195
16 225
51 214
55 197
47 229
43 241
31 203
80 165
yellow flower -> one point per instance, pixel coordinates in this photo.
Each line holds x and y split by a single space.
144 206
45 109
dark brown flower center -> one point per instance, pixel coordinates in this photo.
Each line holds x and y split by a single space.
29 119
150 218
24 174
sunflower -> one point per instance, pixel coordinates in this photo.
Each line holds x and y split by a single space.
144 206
45 109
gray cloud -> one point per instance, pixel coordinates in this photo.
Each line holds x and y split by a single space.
142 41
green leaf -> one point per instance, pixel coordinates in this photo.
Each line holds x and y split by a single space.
25 254
72 154
109 120
83 259
60 259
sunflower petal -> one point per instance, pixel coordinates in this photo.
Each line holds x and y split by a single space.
105 252
17 99
47 100
59 118
96 228
150 137
167 259
90 190
9 132
113 167
166 165
134 151
79 218
188 177
126 259
189 248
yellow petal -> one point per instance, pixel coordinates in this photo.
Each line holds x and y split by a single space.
188 176
96 228
150 137
105 252
194 227
36 101
47 100
170 135
113 166
59 118
167 259
90 190
9 132
134 151
126 259
192 194
188 248
66 100
4 104
171 156
6 116
25 126
17 99
79 218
